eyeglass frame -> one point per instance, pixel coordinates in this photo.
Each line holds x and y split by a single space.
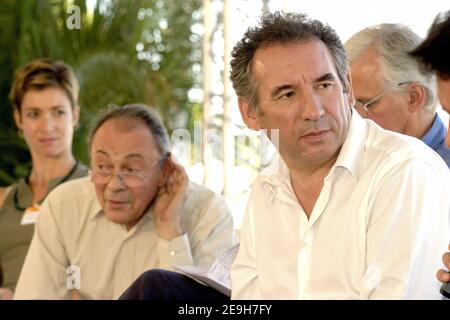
365 106
123 175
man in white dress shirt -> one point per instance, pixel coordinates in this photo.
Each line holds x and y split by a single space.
349 210
137 211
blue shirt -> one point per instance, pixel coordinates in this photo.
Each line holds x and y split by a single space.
435 139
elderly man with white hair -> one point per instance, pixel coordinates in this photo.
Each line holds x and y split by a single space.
391 88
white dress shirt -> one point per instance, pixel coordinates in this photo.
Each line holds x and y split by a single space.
377 231
72 230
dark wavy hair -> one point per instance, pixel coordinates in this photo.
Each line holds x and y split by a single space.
434 51
281 28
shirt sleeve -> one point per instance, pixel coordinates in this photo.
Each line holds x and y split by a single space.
208 229
174 252
407 232
244 273
43 275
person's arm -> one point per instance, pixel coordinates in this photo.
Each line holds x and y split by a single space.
173 243
5 293
206 234
211 233
407 231
244 271
43 274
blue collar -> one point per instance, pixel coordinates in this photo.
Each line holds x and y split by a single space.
434 138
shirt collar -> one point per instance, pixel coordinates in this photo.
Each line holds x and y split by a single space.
435 135
351 154
275 180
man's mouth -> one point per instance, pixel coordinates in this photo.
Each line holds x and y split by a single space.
315 135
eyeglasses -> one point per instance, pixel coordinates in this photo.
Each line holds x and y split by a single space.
131 178
363 107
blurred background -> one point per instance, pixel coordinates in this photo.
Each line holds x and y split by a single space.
174 56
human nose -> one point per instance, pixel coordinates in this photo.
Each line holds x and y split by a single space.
116 181
47 122
312 108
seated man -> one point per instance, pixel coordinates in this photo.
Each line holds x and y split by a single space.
352 211
345 211
137 211
391 89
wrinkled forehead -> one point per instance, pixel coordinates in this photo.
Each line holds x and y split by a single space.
124 138
279 62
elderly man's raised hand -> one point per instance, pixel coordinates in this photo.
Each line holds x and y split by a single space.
168 201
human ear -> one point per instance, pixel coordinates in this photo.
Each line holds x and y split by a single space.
249 114
417 96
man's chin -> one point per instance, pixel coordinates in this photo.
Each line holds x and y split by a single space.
122 217
117 216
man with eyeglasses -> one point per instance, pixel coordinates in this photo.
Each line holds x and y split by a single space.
390 87
137 211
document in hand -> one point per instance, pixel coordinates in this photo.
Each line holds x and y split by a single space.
218 277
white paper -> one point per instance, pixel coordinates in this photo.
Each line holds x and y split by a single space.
220 271
219 276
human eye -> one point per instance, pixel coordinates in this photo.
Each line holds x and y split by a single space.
325 85
60 112
287 94
103 168
32 114
130 170
371 104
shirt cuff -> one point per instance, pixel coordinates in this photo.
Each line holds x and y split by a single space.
175 252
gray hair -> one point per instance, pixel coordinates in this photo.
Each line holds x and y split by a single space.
393 42
139 112
281 28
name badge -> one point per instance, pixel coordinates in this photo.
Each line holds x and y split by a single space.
30 215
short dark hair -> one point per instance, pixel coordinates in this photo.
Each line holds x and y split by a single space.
140 112
434 51
281 28
41 74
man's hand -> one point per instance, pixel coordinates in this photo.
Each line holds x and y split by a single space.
6 294
168 201
444 275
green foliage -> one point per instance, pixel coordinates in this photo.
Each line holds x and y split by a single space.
124 52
